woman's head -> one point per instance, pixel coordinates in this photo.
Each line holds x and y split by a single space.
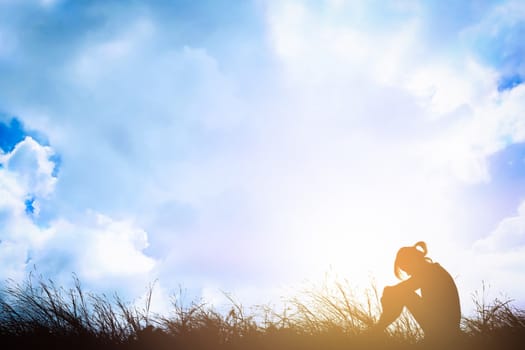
410 259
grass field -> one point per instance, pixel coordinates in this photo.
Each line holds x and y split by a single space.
38 314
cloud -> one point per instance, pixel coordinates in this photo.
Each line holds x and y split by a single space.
25 173
30 163
27 177
499 259
509 234
99 249
496 37
448 107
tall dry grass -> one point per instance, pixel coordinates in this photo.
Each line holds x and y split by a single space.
40 314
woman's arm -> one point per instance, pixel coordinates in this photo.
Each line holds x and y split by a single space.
409 285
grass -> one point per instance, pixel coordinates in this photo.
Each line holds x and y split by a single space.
38 314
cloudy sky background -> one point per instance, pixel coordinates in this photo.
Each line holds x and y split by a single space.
251 146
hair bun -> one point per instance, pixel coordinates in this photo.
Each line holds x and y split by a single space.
423 247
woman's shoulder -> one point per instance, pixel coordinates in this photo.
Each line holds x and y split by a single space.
435 266
432 268
437 269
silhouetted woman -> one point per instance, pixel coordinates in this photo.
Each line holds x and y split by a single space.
436 309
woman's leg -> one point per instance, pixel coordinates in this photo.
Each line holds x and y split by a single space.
420 311
435 322
392 305
393 302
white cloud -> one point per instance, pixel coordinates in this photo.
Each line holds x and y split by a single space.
489 125
499 260
30 163
509 235
444 87
314 48
99 249
26 174
342 67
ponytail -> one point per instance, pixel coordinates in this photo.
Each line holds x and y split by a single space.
423 247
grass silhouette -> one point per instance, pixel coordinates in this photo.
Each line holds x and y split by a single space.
38 314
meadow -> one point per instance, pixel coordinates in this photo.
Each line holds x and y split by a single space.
37 314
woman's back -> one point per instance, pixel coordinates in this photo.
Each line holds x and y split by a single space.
440 295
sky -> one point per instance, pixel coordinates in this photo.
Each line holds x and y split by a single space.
249 146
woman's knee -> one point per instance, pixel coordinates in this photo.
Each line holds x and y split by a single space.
391 301
393 295
389 295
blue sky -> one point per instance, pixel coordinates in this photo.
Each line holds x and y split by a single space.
248 146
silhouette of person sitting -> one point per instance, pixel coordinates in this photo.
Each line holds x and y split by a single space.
436 308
